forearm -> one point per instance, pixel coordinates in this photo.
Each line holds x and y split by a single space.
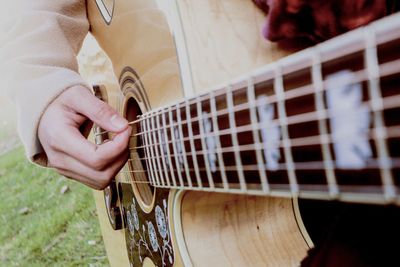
38 57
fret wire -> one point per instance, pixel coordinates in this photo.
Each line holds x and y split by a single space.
311 165
388 103
138 165
360 76
206 157
161 148
221 163
192 146
157 150
291 94
151 149
259 126
256 137
310 192
190 100
235 142
279 92
392 132
386 69
168 150
147 151
316 75
134 153
367 196
377 133
298 92
371 60
231 191
178 166
188 178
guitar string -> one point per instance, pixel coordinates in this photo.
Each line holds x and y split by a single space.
387 103
359 76
126 177
312 165
302 141
315 165
243 148
392 132
134 122
323 188
372 165
154 113
391 102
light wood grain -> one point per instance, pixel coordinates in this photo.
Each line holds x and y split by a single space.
222 40
96 68
232 230
139 37
114 241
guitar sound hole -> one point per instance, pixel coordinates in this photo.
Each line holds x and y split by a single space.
138 171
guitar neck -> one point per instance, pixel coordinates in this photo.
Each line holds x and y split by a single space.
322 123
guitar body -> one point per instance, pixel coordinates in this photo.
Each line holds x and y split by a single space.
163 52
157 64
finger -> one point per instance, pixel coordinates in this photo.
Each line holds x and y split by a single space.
74 169
98 111
95 156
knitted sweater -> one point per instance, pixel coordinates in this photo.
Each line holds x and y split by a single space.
39 42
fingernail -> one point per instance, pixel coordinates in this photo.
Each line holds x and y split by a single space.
118 121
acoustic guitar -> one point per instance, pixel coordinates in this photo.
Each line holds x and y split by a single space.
239 155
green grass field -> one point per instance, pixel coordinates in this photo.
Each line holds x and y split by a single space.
40 226
58 229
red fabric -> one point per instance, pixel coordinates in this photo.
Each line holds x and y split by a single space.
317 20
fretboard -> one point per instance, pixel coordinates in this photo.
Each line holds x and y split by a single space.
322 123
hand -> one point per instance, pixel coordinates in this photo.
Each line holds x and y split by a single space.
69 152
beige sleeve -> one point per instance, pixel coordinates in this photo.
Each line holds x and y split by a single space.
39 41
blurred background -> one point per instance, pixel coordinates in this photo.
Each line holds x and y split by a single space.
47 219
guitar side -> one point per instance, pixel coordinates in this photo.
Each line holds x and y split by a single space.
156 67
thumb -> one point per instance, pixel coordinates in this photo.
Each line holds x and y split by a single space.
85 103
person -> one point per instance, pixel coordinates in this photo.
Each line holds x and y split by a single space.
316 20
345 239
39 70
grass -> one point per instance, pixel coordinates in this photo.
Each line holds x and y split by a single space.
58 229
